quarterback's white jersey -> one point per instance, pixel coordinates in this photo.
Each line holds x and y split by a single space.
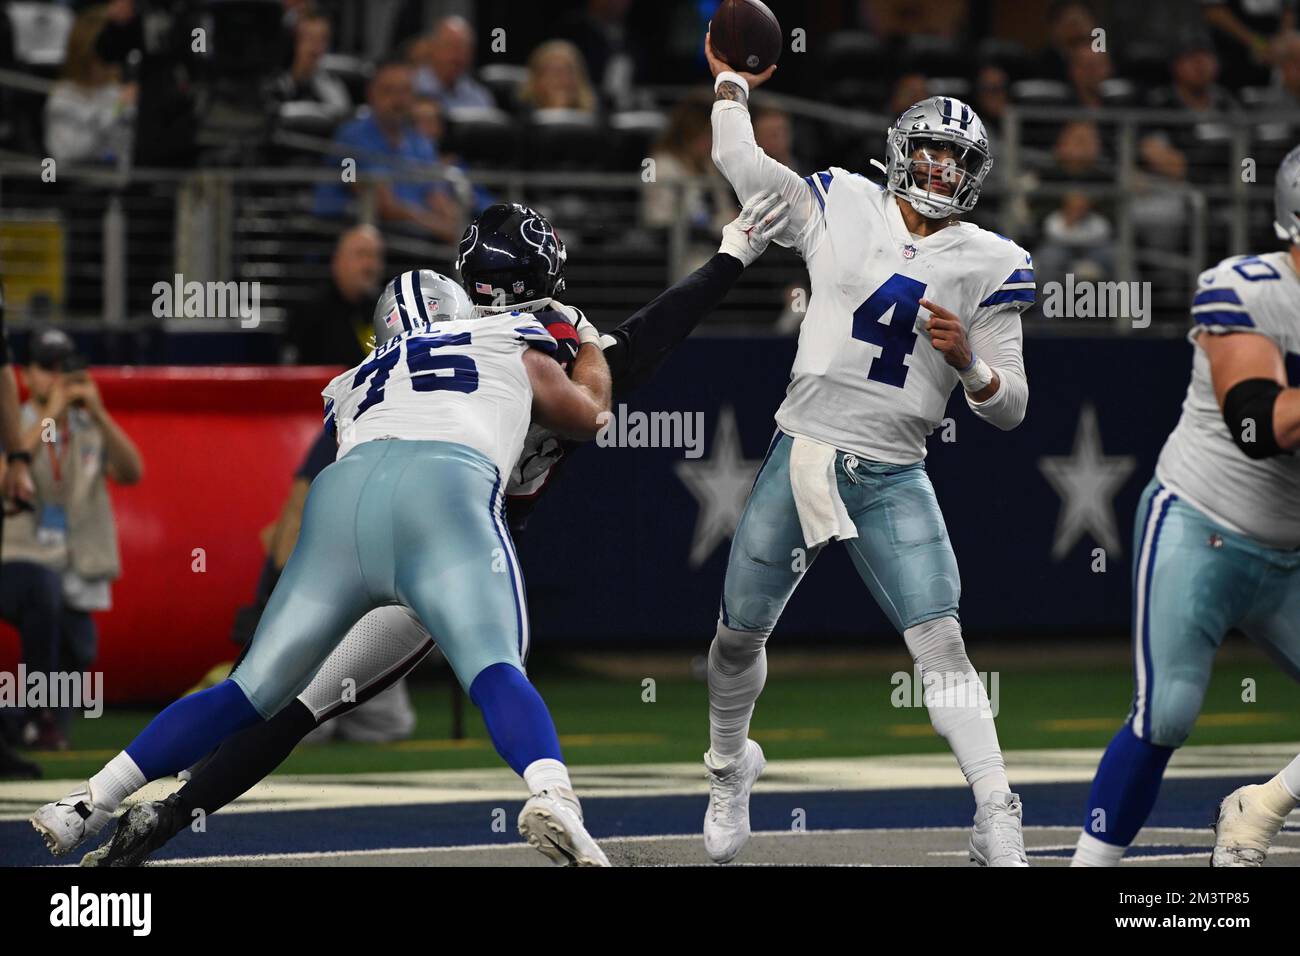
866 379
460 382
1200 462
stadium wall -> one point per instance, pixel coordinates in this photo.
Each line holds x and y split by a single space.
609 553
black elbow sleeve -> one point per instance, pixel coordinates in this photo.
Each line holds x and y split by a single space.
1248 413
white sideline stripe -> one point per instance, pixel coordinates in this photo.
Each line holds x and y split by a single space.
1139 613
19 798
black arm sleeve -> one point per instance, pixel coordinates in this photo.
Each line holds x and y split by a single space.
644 340
1248 413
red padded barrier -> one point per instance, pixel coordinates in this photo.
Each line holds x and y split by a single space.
220 446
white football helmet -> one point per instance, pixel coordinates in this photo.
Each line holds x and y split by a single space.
418 298
937 132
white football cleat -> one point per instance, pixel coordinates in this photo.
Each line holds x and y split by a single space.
1244 829
70 821
551 821
998 838
726 822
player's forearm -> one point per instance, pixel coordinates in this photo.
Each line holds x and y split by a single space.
742 162
1005 407
648 336
1286 419
591 374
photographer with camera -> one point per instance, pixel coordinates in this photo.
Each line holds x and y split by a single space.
60 555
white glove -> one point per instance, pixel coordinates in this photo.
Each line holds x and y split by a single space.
761 220
588 334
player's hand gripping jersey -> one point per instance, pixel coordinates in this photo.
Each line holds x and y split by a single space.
860 381
461 381
1259 295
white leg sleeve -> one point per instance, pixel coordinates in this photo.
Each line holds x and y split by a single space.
737 673
958 703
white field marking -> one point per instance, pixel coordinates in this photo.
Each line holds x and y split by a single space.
19 798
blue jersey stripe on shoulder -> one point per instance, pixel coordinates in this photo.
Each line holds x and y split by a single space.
1224 317
1009 295
1020 275
538 338
825 177
1209 296
821 203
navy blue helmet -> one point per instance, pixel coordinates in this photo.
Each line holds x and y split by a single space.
511 259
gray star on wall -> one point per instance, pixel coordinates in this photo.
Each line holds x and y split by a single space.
720 485
1087 481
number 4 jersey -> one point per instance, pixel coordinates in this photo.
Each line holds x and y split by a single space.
1257 295
460 382
866 378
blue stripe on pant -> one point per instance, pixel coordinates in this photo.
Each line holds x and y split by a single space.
1193 582
902 551
393 522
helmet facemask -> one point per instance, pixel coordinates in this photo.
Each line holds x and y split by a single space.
937 155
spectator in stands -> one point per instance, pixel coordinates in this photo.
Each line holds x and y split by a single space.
334 327
909 88
891 18
89 114
1194 70
61 557
1285 92
1246 34
557 79
427 116
444 59
1076 234
686 185
305 80
775 135
992 86
383 140
1088 71
1071 25
612 53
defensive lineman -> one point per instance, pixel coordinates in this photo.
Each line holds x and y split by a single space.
410 514
1217 538
847 461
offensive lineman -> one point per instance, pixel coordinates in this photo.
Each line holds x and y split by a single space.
1216 543
847 460
411 513
389 642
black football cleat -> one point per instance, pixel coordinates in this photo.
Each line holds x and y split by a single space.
142 830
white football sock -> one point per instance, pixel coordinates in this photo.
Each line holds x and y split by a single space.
118 780
547 774
1290 779
1093 852
737 673
1275 796
958 704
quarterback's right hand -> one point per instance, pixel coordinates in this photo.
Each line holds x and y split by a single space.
761 220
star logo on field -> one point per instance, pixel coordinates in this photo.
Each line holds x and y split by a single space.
1087 481
720 485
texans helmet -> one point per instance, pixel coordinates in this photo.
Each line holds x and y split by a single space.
511 260
418 298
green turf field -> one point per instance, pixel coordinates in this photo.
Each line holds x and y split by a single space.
842 708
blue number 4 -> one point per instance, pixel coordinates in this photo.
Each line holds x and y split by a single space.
896 339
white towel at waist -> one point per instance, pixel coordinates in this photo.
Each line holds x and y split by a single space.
822 514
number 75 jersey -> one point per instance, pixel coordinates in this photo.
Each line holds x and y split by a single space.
461 382
866 379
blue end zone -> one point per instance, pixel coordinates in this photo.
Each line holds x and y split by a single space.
1183 803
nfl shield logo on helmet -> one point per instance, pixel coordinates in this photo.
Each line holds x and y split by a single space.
519 287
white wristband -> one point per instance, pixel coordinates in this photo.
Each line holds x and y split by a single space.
726 76
976 376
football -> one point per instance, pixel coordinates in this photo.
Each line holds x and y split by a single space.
745 35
